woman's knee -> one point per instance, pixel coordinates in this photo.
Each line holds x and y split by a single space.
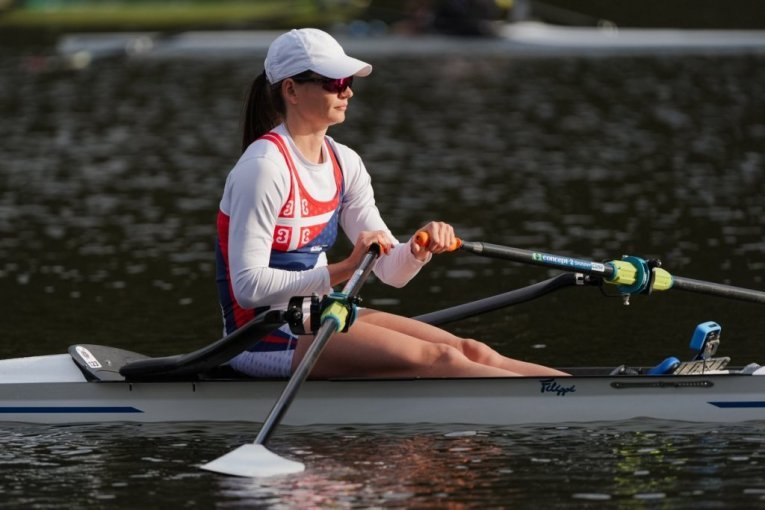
477 351
446 355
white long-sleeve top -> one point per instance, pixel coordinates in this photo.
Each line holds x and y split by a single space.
255 191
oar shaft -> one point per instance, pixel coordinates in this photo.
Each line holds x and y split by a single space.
538 258
718 289
525 256
293 385
303 370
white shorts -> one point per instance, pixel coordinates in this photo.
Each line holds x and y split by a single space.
270 357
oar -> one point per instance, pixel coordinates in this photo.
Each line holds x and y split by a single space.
632 275
255 459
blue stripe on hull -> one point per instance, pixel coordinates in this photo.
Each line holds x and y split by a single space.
739 405
59 410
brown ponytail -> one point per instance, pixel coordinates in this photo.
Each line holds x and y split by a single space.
263 111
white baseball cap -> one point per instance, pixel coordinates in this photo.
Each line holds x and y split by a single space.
310 49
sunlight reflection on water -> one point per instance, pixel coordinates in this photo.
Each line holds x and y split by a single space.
408 466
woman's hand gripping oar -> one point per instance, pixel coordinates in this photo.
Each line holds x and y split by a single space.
255 459
422 238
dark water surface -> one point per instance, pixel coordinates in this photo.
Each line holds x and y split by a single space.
627 465
109 182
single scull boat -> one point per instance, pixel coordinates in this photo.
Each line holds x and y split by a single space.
104 384
72 388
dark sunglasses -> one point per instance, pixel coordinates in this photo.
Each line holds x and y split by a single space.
335 86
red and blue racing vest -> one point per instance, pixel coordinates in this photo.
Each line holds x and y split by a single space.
305 228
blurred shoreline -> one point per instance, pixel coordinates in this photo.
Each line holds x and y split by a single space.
449 17
84 15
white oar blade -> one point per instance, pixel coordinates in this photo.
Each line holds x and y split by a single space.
253 460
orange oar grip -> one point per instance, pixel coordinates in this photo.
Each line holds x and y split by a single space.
423 239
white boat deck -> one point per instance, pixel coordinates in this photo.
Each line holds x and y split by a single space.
51 389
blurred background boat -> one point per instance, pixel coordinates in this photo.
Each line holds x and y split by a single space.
86 29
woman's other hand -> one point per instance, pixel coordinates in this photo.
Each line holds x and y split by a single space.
441 238
366 239
341 271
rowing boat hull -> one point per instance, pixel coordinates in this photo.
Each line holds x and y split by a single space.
58 393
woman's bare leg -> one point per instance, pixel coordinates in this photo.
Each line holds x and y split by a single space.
380 344
472 349
370 350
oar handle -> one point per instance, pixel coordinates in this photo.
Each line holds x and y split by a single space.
422 238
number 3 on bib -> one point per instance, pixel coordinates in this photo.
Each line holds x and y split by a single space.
282 235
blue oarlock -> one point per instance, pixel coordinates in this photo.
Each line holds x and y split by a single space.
705 339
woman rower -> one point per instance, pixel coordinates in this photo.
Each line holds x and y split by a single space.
281 207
